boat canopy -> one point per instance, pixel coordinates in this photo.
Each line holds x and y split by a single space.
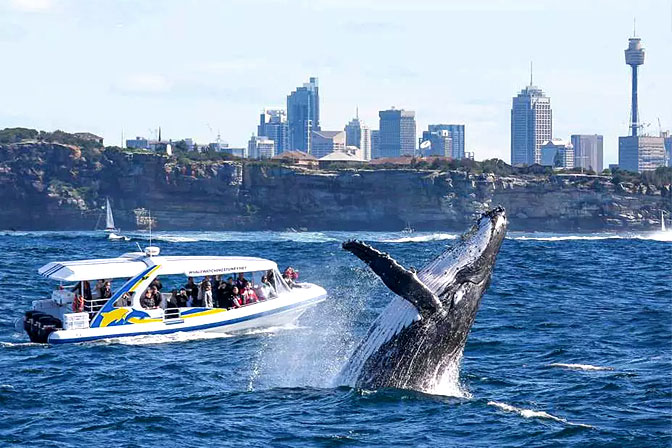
129 266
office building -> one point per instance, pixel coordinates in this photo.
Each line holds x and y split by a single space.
273 125
397 132
260 147
359 135
441 143
588 151
641 153
375 144
531 125
303 115
557 153
667 142
456 135
138 143
326 142
636 152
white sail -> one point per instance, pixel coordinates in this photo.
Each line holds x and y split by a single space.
662 221
110 219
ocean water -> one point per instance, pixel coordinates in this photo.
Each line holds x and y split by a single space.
572 346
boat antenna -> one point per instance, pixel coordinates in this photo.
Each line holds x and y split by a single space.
138 244
150 229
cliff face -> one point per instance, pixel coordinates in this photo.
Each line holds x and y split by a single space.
53 186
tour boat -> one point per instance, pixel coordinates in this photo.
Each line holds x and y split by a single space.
53 320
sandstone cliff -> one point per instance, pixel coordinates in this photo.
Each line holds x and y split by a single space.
55 186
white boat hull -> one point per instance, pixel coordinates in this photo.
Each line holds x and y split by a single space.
272 313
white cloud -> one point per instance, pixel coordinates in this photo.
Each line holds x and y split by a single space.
31 5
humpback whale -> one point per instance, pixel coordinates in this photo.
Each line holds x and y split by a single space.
421 334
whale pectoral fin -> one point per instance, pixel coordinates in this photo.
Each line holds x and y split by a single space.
399 280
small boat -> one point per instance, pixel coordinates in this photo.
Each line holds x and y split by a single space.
408 230
113 233
53 320
662 221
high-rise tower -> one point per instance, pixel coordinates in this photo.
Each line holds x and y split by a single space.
303 115
636 152
634 57
531 125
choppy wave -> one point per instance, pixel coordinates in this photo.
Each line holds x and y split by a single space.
261 236
579 366
422 238
530 413
650 236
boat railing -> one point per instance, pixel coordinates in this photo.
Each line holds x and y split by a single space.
94 305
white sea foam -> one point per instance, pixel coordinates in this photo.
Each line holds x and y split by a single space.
650 236
18 344
529 413
422 238
193 237
579 366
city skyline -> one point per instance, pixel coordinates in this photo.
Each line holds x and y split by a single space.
196 84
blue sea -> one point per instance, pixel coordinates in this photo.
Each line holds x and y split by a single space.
572 346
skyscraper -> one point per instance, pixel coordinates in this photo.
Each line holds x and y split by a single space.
588 151
635 152
303 115
359 135
375 144
531 125
260 147
397 132
273 125
456 135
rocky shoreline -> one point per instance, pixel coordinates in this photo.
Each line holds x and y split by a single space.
48 186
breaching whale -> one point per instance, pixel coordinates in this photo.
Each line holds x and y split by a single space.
421 334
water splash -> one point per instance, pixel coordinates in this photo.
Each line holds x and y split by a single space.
422 238
447 383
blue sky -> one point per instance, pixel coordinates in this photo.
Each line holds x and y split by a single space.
196 67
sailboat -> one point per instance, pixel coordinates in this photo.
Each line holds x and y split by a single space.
112 232
662 221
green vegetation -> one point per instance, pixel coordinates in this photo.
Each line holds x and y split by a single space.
661 176
18 135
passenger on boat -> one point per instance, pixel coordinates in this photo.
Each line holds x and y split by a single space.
172 302
84 287
106 292
156 282
234 300
125 300
249 296
206 298
291 276
78 303
147 301
224 291
265 290
99 287
182 298
156 295
191 288
241 281
215 290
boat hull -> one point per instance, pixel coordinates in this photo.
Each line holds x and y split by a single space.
272 313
